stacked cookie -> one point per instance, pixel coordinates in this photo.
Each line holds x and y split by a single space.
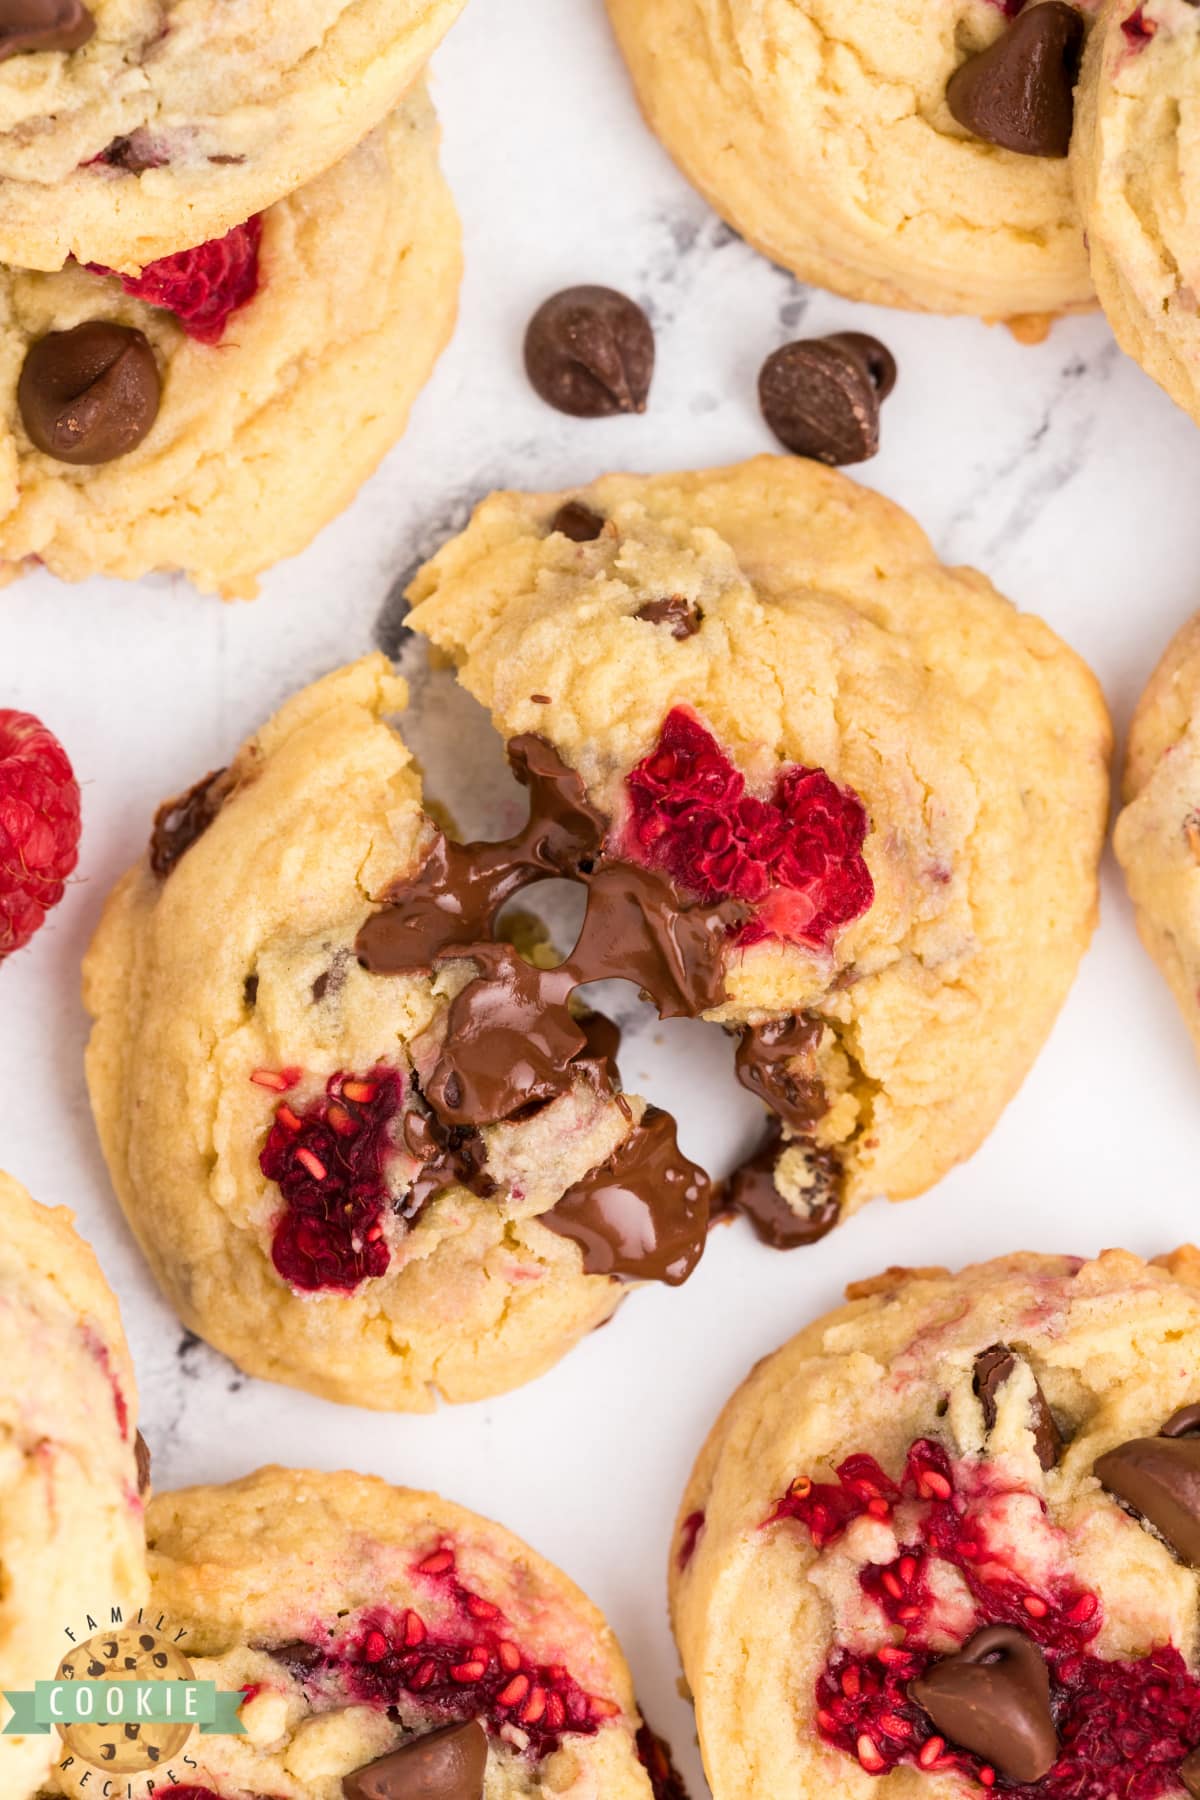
232 263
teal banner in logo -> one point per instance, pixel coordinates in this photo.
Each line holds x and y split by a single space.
51 1703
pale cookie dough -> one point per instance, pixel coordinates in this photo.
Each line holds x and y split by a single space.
362 1617
829 636
819 130
70 1513
870 1498
227 997
1157 836
265 436
1137 174
180 118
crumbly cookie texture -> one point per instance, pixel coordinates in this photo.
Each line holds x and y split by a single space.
264 436
70 1514
1136 166
820 131
827 635
1157 835
872 1495
228 998
180 118
357 1615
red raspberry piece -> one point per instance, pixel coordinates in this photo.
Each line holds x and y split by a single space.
796 856
39 826
204 286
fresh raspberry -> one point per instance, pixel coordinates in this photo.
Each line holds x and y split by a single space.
797 857
202 287
39 826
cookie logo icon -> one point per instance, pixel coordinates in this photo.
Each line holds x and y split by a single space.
132 1653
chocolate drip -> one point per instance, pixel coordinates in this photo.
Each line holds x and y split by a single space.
637 927
751 1190
643 1215
763 1056
458 892
182 822
510 1039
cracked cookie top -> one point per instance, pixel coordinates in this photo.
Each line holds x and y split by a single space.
947 1540
174 120
822 132
899 779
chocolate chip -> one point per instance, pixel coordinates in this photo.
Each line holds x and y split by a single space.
1182 1423
643 1215
577 522
881 364
993 1698
180 823
91 394
141 1451
654 1754
589 351
1189 1773
300 1659
992 1369
678 614
134 154
751 1190
43 25
449 1764
1019 93
821 399
1159 1477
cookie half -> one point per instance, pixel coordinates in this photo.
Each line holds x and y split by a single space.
389 1643
369 1182
1136 167
780 701
271 372
169 124
71 1515
822 133
1157 835
946 1541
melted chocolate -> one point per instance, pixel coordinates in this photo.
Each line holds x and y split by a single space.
458 892
453 1156
637 927
510 1039
182 822
751 1190
763 1058
992 1369
643 1215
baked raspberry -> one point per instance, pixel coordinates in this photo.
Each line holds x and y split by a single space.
39 826
202 287
330 1163
475 1669
194 1793
1138 29
796 857
1124 1726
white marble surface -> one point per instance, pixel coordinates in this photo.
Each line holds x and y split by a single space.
1060 470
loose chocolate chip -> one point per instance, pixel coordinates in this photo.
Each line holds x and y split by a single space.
881 364
642 1216
141 1450
43 25
449 1764
91 394
181 822
993 1698
577 522
589 351
1019 93
992 1369
678 614
821 400
1159 1477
